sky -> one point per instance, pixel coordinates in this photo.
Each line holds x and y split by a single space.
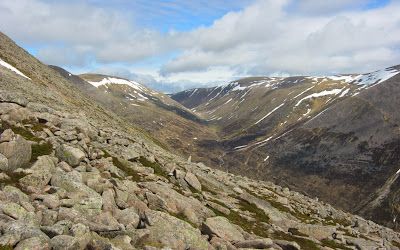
172 45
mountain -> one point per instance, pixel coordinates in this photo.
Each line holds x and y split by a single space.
77 175
172 125
334 137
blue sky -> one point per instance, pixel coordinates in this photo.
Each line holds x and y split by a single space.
172 45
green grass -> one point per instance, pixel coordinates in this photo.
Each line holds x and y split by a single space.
41 149
334 245
272 200
158 170
181 216
123 166
6 248
330 221
24 132
207 189
13 181
296 232
396 243
303 243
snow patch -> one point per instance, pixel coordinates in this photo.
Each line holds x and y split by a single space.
113 80
272 111
320 94
12 68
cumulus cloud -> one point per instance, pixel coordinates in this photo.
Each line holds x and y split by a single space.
268 37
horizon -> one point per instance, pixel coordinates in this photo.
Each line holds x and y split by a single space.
177 45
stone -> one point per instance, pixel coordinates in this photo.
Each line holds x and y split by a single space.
222 228
238 190
18 151
122 242
171 232
73 156
86 199
7 135
3 163
284 244
9 239
128 217
64 242
192 180
34 243
255 244
109 201
24 230
176 203
79 230
218 207
14 210
15 195
318 232
42 169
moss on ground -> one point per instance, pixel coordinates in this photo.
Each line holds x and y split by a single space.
158 170
6 247
295 231
330 221
303 243
41 149
24 132
123 166
334 245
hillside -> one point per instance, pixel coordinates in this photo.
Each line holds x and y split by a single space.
333 137
75 175
175 127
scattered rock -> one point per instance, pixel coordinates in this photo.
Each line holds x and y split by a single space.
221 227
192 180
17 150
73 156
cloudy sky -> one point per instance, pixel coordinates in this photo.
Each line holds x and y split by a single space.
172 45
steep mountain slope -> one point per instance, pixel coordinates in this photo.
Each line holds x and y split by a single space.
174 126
333 137
76 176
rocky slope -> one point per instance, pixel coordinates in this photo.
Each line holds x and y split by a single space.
148 110
333 137
76 176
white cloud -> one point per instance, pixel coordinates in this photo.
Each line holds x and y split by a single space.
264 38
267 37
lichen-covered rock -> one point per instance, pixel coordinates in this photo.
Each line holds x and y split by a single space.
222 228
85 199
171 232
34 243
3 163
17 150
42 169
73 156
64 242
192 180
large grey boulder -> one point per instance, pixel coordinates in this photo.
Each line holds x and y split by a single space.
171 232
64 242
84 198
221 227
42 169
16 149
34 243
176 203
192 180
3 163
73 156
